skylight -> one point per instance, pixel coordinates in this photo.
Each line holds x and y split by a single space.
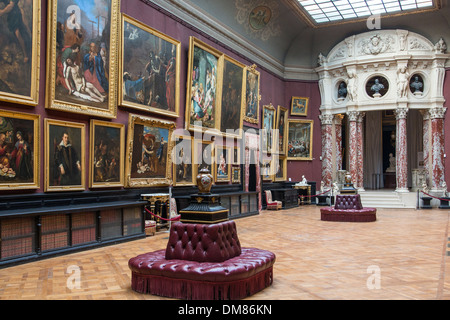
322 11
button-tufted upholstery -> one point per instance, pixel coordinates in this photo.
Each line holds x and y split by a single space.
348 208
203 243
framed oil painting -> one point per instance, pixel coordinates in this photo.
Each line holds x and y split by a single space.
299 143
183 173
280 172
64 155
281 130
82 56
203 156
222 164
20 42
252 97
299 106
233 98
149 69
149 153
268 128
267 168
19 150
107 154
236 174
203 90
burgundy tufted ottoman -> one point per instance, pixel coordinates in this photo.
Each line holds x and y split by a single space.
203 262
348 208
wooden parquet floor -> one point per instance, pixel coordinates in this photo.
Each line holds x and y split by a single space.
401 256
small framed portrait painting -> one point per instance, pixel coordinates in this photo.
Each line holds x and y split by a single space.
299 106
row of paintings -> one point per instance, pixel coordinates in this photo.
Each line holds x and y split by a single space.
98 59
150 158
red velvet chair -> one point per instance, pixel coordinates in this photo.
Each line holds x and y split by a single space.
272 204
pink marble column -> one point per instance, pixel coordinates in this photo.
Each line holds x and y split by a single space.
353 146
360 152
327 149
426 142
338 141
437 148
401 150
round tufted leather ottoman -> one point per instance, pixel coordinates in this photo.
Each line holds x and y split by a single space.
348 208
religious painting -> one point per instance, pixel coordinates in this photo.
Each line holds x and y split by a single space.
268 128
149 154
281 130
222 164
107 154
203 156
203 91
20 22
149 69
280 171
81 57
299 106
233 98
64 155
236 174
19 150
299 143
252 96
182 161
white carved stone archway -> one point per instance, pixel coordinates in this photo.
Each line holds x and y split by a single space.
394 58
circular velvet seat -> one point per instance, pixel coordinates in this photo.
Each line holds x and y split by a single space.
348 208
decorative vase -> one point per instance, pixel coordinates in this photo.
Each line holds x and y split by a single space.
204 181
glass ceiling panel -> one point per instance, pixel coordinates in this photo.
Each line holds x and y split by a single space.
332 10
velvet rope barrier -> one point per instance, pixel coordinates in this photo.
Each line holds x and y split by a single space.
434 196
314 195
173 219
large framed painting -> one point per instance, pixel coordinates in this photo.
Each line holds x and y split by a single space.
203 156
20 42
252 97
82 56
268 128
107 154
280 171
281 130
299 106
19 150
203 90
222 164
299 143
233 98
149 153
183 173
64 155
149 69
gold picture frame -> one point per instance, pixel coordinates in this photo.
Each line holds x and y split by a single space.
235 174
299 106
20 138
222 164
281 130
183 167
204 85
233 98
267 168
81 60
107 154
149 152
65 145
300 137
280 171
268 128
20 79
145 48
252 95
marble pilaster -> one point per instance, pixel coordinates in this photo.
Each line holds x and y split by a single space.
401 152
327 149
437 148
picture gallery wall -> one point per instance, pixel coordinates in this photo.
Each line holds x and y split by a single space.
116 95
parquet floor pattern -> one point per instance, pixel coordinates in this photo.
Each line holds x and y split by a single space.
315 260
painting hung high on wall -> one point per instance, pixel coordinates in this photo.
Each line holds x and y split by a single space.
81 60
64 155
149 69
203 91
252 97
268 128
182 161
20 23
19 150
299 106
233 95
299 143
281 129
149 154
106 165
